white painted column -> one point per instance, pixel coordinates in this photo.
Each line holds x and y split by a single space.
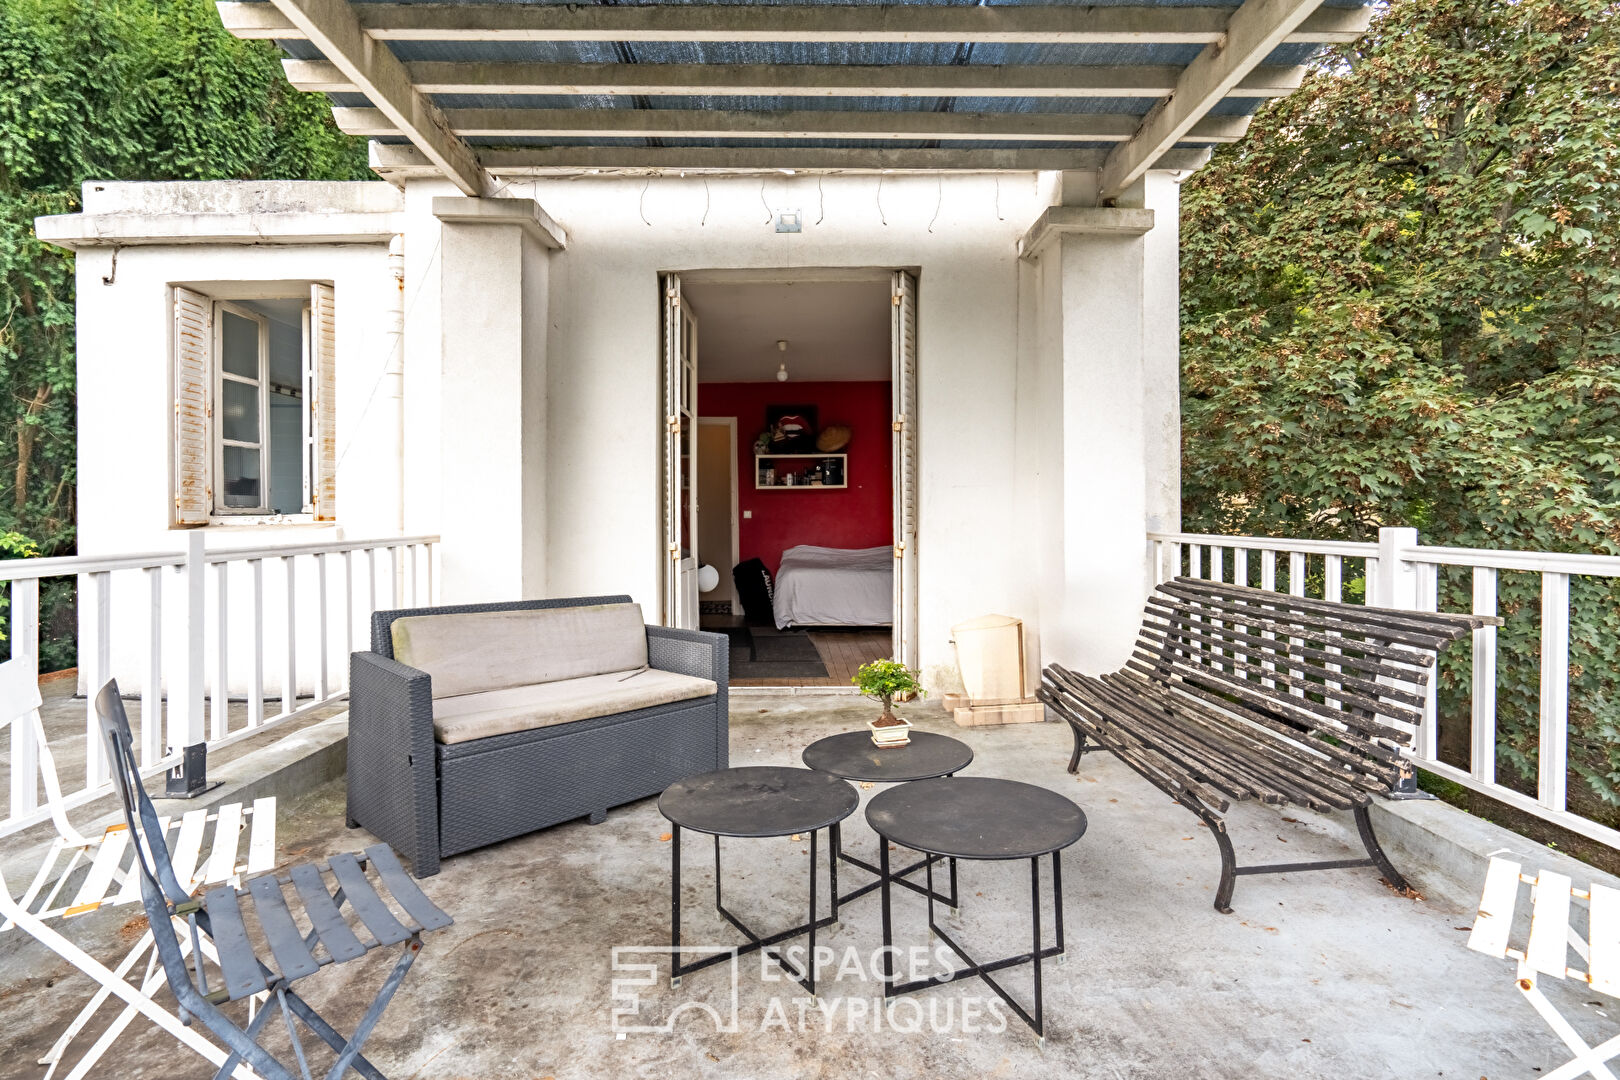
1106 329
492 400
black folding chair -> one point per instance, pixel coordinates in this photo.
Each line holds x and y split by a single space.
217 916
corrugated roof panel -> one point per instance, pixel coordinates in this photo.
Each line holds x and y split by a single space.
786 55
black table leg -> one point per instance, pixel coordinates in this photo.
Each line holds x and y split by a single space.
675 905
1035 1018
804 977
888 931
832 869
1035 921
1057 904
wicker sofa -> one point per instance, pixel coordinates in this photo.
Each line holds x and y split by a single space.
473 724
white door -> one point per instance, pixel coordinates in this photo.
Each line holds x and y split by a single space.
903 297
680 556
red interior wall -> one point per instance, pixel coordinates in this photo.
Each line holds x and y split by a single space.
860 516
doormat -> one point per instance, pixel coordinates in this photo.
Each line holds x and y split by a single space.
776 655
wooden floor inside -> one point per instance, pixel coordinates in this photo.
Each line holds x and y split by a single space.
843 651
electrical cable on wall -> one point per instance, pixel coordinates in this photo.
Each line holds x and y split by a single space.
705 220
641 208
939 201
821 199
763 203
880 202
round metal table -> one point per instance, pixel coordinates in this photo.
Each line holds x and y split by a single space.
983 818
756 801
853 756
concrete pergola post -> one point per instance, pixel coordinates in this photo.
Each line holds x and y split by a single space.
494 299
1106 302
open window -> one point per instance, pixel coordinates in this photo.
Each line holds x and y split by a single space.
255 410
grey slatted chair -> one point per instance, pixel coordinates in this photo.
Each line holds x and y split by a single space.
218 916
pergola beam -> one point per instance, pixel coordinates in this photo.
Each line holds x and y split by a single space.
794 124
1049 24
792 80
406 162
331 26
1256 28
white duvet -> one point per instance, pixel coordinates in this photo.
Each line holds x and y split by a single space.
818 586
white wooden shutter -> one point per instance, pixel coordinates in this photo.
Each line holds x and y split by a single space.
903 296
323 401
193 407
673 375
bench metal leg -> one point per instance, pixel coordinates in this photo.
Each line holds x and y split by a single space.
1080 748
1374 849
1229 867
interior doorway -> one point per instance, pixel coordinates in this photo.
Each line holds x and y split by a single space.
800 544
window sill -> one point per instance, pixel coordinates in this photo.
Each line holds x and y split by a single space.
268 521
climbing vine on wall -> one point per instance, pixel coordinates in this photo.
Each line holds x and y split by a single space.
1401 306
115 90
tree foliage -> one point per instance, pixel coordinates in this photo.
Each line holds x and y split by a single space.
116 90
1401 306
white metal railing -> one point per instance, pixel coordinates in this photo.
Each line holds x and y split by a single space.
193 631
1402 573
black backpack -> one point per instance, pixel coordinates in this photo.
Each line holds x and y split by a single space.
753 583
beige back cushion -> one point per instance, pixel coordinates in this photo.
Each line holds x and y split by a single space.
472 652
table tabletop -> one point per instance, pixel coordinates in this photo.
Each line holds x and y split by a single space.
853 756
758 800
976 817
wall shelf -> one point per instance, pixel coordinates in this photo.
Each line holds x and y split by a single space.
799 467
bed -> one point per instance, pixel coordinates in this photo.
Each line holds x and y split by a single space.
819 586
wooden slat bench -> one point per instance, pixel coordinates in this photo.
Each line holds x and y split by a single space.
1234 693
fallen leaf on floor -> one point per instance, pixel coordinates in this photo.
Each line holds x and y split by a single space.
1402 1004
1186 838
798 836
664 837
711 1057
1462 927
867 784
1113 800
1304 1040
1295 820
1280 838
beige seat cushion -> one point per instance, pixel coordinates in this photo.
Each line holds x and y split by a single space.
523 708
471 652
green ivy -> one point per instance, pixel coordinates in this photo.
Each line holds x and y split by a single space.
1401 306
115 90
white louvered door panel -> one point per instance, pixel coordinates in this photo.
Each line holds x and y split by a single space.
323 401
674 374
193 407
904 389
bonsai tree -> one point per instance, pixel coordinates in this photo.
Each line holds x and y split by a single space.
881 680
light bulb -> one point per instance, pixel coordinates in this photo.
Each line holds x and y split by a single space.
781 373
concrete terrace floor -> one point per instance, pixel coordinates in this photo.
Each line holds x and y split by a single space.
1316 975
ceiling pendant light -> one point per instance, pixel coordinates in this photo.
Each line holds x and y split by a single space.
781 370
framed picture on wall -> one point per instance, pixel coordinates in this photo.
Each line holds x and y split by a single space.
792 428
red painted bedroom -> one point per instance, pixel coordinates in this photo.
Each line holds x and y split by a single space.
794 473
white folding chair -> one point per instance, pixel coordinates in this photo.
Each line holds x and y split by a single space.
1547 950
80 875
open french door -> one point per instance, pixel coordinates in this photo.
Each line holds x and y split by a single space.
903 297
679 553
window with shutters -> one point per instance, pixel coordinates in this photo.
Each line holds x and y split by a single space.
255 409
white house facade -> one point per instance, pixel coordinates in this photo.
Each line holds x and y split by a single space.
496 373
581 242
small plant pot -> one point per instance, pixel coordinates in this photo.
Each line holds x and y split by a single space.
890 731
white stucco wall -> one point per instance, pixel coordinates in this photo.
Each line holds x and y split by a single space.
1047 424
126 406
604 362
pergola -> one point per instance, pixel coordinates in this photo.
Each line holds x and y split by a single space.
476 90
